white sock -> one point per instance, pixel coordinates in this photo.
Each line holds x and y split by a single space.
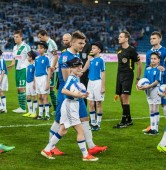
157 118
3 101
1 104
152 121
164 111
29 104
54 129
41 110
53 141
82 147
47 110
163 140
93 117
35 105
88 134
99 117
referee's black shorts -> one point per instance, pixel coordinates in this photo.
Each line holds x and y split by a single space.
124 83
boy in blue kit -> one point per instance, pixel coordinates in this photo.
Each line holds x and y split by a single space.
77 44
30 86
42 80
70 113
153 74
3 83
96 84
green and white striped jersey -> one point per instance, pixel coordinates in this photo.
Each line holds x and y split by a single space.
20 55
51 47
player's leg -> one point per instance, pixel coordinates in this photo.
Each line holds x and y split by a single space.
52 92
40 116
99 112
29 104
46 106
161 147
53 141
82 145
92 113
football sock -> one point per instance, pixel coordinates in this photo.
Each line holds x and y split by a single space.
29 104
47 110
54 129
3 99
157 118
53 141
152 121
125 113
22 100
99 117
82 147
93 117
41 110
53 99
35 105
126 109
88 134
164 110
163 140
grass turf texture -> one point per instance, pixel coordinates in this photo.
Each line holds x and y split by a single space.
129 148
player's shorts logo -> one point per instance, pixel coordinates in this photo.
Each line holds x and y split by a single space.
124 60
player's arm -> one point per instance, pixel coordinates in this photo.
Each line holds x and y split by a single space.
11 64
103 82
1 75
75 95
65 73
48 78
55 60
139 70
87 64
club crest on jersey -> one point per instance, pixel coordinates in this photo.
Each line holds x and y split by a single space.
84 55
64 59
124 60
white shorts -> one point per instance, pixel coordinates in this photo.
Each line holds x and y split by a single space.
70 113
29 89
94 90
152 96
4 83
41 85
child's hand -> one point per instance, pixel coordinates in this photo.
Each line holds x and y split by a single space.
102 90
161 68
144 87
47 86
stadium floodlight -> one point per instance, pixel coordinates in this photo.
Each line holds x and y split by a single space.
96 2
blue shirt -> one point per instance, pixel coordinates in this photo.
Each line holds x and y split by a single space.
30 72
153 74
70 80
3 66
65 56
41 66
97 65
162 52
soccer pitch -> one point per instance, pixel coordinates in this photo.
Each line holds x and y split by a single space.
128 148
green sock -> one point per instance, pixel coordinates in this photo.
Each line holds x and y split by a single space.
53 99
23 100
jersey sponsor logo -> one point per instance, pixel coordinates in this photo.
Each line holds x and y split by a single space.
64 59
18 57
124 60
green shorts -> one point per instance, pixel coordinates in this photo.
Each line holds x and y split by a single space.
53 79
20 78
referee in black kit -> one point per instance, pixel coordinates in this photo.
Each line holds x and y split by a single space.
84 57
127 56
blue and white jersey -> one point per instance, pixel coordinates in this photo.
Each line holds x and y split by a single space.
153 74
3 66
30 73
70 80
97 65
162 52
65 56
41 65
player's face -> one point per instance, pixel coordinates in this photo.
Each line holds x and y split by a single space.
77 70
29 58
78 44
17 38
41 49
155 40
42 37
95 50
154 60
122 39
66 41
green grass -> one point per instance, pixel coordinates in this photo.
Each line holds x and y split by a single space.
128 148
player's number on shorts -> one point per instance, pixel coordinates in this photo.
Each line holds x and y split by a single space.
22 82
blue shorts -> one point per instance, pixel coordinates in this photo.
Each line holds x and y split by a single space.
163 99
82 109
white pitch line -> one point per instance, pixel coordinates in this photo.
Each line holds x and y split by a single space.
46 124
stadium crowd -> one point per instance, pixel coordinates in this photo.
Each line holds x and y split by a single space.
100 23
